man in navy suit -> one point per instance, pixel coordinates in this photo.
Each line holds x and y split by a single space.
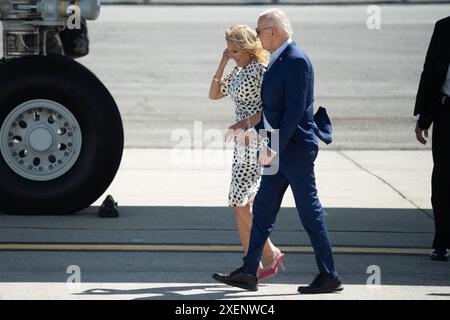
287 93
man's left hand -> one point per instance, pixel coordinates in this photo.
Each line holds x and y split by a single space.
266 156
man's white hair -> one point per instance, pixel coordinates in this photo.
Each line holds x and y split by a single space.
279 19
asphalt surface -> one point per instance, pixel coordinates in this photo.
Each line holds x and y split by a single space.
184 272
158 62
175 231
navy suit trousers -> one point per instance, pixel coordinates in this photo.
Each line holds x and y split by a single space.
296 170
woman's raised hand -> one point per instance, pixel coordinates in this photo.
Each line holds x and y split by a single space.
226 56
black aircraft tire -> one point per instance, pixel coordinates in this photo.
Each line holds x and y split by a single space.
87 165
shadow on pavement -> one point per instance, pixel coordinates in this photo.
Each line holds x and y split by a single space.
188 226
213 292
354 227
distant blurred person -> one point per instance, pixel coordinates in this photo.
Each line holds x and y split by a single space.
433 106
243 85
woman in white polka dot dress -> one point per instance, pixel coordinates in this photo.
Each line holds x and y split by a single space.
243 85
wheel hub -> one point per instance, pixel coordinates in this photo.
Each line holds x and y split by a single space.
40 140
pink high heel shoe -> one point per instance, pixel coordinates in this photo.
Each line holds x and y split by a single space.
273 269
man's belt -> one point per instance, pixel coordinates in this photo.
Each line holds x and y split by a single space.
445 100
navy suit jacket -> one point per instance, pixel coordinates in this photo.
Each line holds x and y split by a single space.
434 74
287 94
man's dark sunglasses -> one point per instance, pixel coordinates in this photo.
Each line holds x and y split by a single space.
258 31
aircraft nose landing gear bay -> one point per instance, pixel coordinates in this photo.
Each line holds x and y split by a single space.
61 134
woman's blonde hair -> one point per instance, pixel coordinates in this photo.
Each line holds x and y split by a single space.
245 39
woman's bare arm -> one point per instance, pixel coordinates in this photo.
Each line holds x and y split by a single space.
214 90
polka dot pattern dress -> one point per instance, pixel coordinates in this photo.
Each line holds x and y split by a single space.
243 85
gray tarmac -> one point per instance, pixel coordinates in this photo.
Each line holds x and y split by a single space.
158 62
175 229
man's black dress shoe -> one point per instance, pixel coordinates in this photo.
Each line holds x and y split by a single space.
439 255
238 278
323 283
